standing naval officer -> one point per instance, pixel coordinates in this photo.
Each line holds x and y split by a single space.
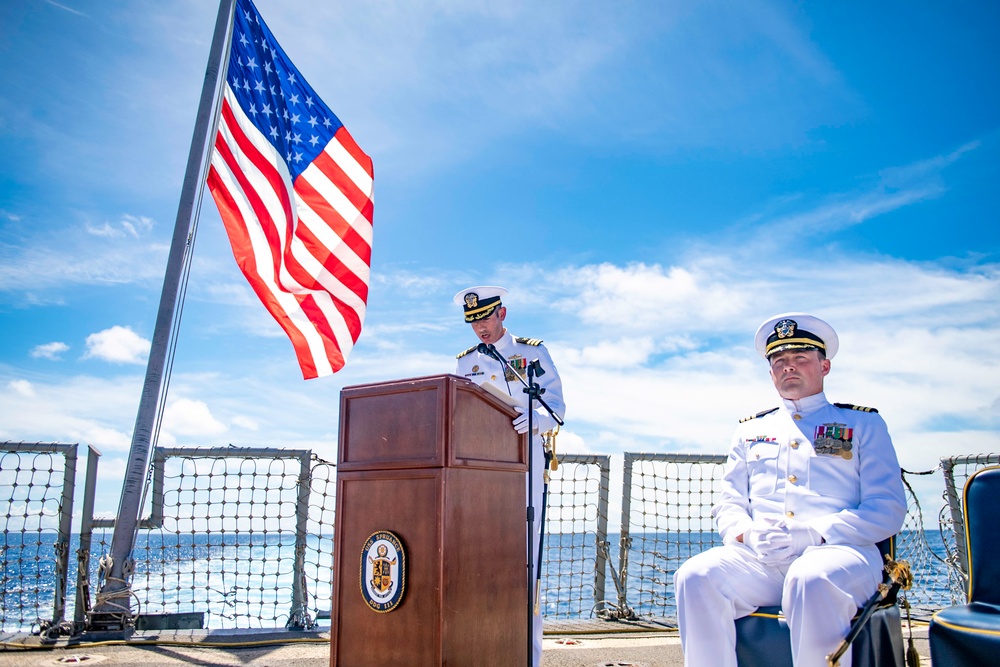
809 488
486 313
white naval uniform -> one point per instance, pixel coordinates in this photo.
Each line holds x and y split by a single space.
482 368
774 471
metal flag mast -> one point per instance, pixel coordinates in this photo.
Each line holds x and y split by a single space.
113 603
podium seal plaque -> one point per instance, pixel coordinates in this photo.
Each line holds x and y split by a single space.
383 571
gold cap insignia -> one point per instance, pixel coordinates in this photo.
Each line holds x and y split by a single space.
785 328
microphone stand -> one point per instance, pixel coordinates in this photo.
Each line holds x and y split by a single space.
534 392
550 456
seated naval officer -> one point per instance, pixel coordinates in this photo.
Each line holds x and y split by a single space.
486 313
808 490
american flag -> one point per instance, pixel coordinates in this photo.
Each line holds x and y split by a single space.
295 194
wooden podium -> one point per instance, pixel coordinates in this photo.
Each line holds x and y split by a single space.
434 461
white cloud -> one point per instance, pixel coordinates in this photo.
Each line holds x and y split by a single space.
129 225
22 388
52 350
407 281
65 8
664 354
839 212
651 298
244 422
119 345
99 412
189 417
112 471
38 267
623 353
642 371
104 438
923 171
232 294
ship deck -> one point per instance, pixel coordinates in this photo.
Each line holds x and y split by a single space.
566 644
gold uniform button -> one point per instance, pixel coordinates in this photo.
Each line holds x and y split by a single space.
795 444
797 417
789 514
793 479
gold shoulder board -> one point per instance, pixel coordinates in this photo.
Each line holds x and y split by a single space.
462 354
851 406
759 414
534 342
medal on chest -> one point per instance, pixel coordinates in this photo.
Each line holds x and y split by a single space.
519 364
834 440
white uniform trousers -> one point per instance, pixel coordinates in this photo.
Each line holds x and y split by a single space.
819 593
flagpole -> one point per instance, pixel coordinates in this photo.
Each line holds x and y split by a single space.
114 599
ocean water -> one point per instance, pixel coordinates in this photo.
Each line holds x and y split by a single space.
653 557
245 580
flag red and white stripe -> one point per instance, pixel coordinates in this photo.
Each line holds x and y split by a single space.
296 198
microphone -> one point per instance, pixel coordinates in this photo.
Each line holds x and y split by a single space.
490 350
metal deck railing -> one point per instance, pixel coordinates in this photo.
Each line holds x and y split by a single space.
243 538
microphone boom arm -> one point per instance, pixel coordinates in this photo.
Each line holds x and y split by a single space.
490 350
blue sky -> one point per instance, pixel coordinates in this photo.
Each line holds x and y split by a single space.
651 180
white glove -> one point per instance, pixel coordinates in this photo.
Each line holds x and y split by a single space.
768 538
541 421
801 537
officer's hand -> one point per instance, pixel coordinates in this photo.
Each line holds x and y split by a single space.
769 539
541 422
803 536
800 537
521 420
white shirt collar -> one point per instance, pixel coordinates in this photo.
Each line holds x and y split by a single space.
505 341
807 404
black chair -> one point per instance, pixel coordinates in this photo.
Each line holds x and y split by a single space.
763 640
969 634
